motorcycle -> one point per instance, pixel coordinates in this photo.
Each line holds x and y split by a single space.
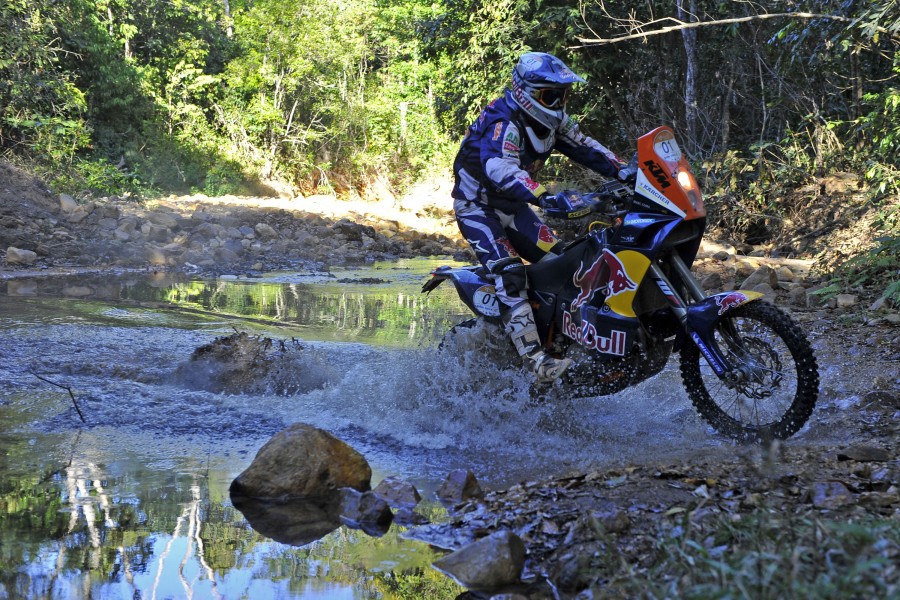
620 299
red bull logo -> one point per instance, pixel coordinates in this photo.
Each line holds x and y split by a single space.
728 302
590 280
506 245
545 235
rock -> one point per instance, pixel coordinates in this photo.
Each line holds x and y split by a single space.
763 274
302 462
18 256
797 296
460 485
491 562
864 453
766 290
265 231
80 214
721 256
830 495
845 300
67 203
397 492
366 511
713 281
163 219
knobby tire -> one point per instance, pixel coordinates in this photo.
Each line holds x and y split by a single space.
712 406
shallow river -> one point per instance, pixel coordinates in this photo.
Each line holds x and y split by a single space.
134 501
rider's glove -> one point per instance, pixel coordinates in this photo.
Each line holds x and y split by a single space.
628 173
546 200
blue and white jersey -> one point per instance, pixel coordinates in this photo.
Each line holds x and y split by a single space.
500 156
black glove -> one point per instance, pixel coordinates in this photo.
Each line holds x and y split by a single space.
628 173
546 200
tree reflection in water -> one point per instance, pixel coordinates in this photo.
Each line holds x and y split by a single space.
119 526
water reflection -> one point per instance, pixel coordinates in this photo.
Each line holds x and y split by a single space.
379 304
85 530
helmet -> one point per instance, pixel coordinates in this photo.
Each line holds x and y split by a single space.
540 86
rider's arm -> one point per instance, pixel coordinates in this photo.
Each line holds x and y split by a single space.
586 150
501 160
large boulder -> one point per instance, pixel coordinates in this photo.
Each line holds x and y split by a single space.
302 461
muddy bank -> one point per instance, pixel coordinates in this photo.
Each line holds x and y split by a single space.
40 230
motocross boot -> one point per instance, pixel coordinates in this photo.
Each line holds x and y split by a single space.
519 321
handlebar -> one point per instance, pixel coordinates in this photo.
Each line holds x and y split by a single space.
571 204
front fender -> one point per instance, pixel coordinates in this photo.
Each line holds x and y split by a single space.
703 316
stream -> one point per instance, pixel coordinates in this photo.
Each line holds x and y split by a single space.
134 502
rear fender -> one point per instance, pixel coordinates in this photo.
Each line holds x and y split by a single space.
701 323
476 291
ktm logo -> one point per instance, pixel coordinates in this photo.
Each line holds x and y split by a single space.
657 171
606 274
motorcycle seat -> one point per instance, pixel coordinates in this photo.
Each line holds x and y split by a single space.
552 274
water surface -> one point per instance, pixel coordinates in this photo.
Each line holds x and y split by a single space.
134 502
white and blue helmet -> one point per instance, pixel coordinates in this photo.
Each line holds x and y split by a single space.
540 86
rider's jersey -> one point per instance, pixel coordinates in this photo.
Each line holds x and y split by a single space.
500 155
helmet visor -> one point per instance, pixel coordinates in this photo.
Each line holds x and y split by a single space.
551 97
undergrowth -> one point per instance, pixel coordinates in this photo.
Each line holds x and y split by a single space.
769 554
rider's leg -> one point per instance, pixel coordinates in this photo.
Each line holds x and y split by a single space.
486 231
518 318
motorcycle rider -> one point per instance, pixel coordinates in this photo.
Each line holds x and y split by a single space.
495 171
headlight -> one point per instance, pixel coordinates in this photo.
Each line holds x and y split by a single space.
685 180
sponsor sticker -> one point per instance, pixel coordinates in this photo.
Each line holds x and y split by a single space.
730 301
588 336
666 147
498 130
587 278
510 147
530 183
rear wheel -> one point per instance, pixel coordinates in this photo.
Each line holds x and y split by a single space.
776 384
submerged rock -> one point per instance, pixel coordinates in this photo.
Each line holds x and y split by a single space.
366 511
302 461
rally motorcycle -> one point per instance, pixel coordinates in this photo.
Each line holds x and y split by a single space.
620 299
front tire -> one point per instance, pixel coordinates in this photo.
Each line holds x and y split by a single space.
780 383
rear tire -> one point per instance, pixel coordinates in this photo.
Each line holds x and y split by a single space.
778 396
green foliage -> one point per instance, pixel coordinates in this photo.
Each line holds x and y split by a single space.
879 267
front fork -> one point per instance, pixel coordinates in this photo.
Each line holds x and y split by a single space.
701 318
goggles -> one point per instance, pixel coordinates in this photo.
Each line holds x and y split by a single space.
551 97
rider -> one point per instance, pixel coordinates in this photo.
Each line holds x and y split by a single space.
502 152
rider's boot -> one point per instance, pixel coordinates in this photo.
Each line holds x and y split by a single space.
519 321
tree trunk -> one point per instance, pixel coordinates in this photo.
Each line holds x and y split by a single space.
229 30
691 110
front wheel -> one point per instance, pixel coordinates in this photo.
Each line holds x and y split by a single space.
773 389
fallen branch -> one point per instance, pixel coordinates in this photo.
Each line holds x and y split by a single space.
682 25
68 389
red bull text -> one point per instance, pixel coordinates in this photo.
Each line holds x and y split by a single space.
587 336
